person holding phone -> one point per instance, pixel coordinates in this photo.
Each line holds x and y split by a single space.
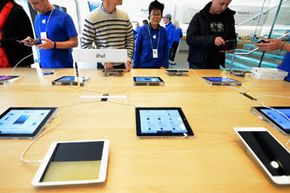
56 35
276 44
209 32
14 25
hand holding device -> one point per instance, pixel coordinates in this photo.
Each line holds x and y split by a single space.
29 41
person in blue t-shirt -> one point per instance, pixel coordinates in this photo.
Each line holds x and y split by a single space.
169 29
275 44
151 49
57 34
175 43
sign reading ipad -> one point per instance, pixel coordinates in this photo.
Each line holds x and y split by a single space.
148 81
162 122
73 162
279 117
69 80
221 81
268 152
24 122
6 78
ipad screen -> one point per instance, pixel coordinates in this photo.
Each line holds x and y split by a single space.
66 79
219 79
267 149
147 79
23 122
280 119
74 162
162 122
5 78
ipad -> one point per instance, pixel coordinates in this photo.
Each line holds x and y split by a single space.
113 72
148 81
278 117
25 122
177 72
271 155
70 80
157 121
221 81
73 162
7 78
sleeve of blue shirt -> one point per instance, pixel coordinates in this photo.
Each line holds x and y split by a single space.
70 27
138 48
165 62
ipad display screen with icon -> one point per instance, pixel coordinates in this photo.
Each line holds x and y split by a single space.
147 79
219 79
280 116
5 78
23 122
66 79
162 122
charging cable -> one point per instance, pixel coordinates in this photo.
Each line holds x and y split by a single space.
20 62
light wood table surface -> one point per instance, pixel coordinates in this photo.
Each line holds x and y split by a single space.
213 161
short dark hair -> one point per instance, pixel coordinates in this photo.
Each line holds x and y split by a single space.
156 5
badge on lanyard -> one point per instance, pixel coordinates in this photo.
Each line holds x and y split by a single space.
155 53
43 35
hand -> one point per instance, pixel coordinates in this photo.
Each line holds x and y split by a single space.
46 44
27 41
108 66
271 44
219 41
128 66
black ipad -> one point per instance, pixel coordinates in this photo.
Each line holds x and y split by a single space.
6 78
24 122
177 72
69 80
222 81
278 116
163 121
147 80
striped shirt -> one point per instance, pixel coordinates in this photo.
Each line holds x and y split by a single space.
103 30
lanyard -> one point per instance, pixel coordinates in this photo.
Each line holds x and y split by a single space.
48 20
151 39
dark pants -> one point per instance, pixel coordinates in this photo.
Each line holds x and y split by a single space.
173 51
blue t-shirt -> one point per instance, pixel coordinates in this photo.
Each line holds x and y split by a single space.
59 27
285 65
143 55
170 32
177 34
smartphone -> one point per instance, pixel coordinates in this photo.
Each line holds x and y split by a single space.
229 45
268 152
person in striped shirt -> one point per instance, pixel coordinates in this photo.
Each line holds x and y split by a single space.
109 27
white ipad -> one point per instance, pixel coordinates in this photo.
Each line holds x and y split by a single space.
25 122
7 78
222 81
271 155
73 162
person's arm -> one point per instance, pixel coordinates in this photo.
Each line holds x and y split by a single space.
88 35
49 44
274 44
194 37
129 45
